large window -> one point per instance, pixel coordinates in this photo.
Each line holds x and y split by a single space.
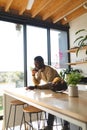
11 56
50 44
36 45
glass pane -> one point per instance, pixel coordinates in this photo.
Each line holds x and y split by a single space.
11 56
59 55
36 45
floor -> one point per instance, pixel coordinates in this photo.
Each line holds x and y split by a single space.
72 127
34 124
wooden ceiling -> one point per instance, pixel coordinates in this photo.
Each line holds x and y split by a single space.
54 11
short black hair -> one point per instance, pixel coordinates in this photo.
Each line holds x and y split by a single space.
39 59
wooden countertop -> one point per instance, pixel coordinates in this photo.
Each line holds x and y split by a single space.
74 107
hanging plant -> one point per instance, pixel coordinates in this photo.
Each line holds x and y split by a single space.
81 40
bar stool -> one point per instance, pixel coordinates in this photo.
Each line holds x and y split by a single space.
32 110
15 104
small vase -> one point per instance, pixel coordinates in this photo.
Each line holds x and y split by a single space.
73 91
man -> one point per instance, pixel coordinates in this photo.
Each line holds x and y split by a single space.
52 79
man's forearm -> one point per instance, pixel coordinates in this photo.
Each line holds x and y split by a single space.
45 86
35 81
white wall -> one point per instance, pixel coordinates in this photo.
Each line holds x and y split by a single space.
75 25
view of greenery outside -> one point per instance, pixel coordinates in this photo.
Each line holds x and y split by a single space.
11 57
16 78
1 105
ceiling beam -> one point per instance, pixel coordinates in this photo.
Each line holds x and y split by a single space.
24 6
8 4
74 15
67 10
41 5
55 8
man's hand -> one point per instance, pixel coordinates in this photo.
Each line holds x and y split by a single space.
34 71
30 87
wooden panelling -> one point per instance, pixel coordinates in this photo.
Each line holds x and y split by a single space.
62 11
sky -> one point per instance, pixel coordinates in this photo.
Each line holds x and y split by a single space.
11 46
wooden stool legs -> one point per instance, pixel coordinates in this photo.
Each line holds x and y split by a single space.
14 103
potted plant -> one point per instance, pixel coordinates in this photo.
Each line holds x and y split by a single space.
81 40
63 73
72 80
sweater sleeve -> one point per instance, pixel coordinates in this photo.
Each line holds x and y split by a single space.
45 86
36 81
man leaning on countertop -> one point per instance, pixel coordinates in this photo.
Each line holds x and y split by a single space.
49 75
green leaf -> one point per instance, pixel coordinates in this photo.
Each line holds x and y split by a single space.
78 38
81 40
80 31
73 78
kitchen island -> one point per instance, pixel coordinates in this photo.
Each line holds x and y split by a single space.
72 109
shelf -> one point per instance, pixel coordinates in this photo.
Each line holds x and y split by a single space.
76 63
73 50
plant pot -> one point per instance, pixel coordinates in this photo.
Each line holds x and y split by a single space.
73 91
